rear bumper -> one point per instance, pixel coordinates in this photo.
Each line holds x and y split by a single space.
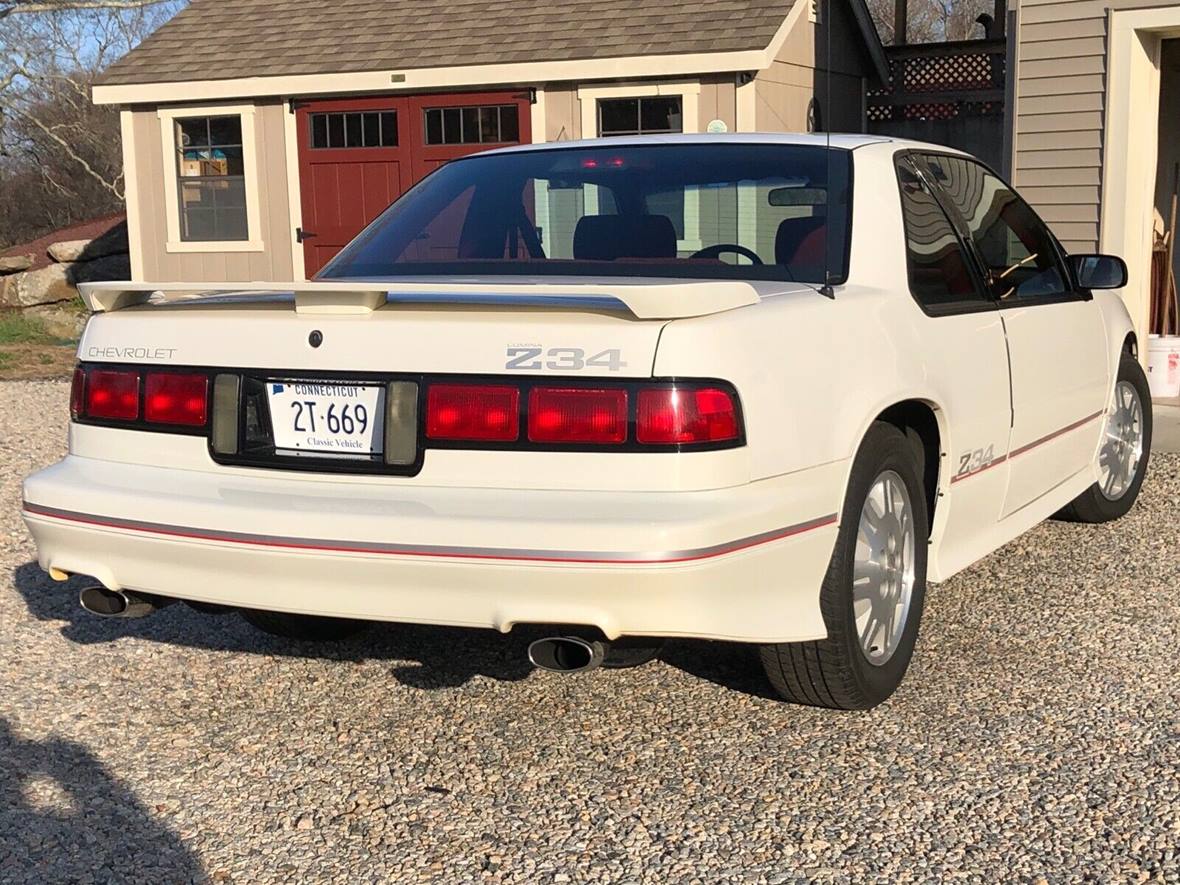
741 564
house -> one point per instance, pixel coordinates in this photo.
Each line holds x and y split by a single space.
260 136
1096 125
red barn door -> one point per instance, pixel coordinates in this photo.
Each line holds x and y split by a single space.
357 155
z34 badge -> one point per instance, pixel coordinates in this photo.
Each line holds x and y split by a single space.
562 359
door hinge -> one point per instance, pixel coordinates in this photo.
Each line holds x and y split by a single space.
301 235
294 104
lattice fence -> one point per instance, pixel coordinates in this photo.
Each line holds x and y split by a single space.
941 81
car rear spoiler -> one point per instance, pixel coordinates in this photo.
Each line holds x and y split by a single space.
646 301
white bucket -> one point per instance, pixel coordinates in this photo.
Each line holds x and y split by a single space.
1163 366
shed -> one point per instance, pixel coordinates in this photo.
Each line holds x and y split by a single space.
260 136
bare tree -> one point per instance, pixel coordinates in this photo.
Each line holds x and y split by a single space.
33 6
932 21
57 150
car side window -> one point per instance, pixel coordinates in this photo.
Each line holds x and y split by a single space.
939 268
1018 252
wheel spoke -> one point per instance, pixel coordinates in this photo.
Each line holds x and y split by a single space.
882 573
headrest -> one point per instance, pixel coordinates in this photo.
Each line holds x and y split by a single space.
607 237
801 241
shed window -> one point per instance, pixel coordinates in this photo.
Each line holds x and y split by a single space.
354 129
211 179
482 124
640 116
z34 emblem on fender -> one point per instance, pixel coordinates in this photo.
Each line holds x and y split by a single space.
973 462
562 359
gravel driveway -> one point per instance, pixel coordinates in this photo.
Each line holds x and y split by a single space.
1037 736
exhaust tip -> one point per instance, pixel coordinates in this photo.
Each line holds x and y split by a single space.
566 654
104 602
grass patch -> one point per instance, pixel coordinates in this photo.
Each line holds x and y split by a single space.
18 328
6 359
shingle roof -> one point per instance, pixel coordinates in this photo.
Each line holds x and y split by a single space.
215 39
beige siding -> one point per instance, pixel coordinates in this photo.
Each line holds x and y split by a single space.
272 263
785 89
718 101
563 116
1060 112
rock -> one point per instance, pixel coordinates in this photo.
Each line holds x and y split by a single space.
110 267
8 291
44 286
64 321
113 242
68 251
15 263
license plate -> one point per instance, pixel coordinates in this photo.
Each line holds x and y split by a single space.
318 418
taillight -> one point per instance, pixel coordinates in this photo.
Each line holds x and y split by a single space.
112 394
77 393
577 415
487 413
176 399
670 415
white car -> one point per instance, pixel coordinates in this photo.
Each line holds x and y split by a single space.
754 388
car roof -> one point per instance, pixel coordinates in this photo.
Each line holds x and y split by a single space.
838 140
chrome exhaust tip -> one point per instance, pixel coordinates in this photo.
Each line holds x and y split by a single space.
106 603
567 654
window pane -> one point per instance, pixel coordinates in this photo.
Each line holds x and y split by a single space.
389 128
434 126
489 124
470 125
353 135
659 115
230 159
372 128
225 130
509 124
319 130
336 130
452 126
939 269
230 193
229 224
192 132
618 116
212 211
1017 249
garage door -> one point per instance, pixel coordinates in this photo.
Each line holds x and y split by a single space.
356 156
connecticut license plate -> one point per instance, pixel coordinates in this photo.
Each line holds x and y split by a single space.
336 419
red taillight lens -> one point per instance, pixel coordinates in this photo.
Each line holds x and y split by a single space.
473 412
112 394
671 415
577 415
176 399
77 393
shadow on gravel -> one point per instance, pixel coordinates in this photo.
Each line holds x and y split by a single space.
426 657
64 818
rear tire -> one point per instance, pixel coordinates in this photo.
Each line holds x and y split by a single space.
856 668
302 627
1100 503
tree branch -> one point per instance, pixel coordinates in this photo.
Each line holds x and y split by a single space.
8 7
113 187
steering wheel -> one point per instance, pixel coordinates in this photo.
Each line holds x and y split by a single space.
716 251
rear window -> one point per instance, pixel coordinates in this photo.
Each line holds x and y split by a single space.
720 211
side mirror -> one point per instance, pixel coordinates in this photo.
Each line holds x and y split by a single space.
1100 271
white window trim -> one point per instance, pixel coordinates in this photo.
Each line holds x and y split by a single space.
690 122
168 117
